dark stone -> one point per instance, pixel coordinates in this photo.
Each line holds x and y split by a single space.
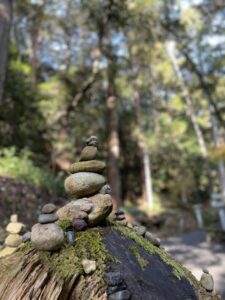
120 295
79 224
48 208
47 218
112 289
113 278
120 212
71 237
26 237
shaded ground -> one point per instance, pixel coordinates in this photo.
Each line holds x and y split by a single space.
195 253
24 199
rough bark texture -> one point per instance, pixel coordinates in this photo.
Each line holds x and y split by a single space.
5 22
144 268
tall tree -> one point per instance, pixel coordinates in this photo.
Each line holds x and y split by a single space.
5 24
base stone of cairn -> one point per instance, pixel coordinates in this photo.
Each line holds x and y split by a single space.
92 202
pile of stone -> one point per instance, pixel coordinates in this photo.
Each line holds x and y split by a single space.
91 201
47 235
120 217
117 288
14 239
207 281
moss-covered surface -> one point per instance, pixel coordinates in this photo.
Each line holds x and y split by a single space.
142 262
177 269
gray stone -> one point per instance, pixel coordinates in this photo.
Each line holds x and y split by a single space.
89 266
26 237
120 295
122 222
79 224
102 207
140 230
154 240
83 184
76 213
92 141
47 218
113 278
88 153
94 166
120 217
207 281
106 189
49 208
47 237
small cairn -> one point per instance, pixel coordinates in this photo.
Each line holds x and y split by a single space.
14 239
47 235
91 201
207 281
120 217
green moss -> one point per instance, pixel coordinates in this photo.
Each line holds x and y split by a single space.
142 262
64 224
177 269
67 261
26 246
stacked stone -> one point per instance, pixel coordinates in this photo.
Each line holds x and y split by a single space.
91 202
14 239
120 217
47 235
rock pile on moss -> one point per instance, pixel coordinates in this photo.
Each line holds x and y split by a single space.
14 239
91 202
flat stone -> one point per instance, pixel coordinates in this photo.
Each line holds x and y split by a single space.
120 295
79 224
112 289
207 281
14 227
89 266
119 212
154 240
106 189
14 218
102 207
88 153
47 237
113 278
47 218
13 240
120 217
140 230
95 166
49 208
26 237
7 251
83 184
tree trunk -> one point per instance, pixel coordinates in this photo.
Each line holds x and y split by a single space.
5 23
188 101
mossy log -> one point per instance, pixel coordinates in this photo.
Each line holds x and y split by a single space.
148 272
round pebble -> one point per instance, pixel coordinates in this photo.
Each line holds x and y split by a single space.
79 224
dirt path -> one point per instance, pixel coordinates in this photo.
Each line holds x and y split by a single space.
195 253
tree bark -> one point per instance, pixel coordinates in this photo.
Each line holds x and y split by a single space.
5 24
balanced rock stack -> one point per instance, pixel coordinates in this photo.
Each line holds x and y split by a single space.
91 202
47 235
14 239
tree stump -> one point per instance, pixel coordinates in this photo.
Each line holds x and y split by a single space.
148 272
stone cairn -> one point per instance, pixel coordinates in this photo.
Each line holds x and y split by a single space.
14 238
207 281
91 201
47 235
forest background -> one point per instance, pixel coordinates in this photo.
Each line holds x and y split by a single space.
145 76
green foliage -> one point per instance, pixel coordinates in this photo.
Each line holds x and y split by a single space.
21 166
142 262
